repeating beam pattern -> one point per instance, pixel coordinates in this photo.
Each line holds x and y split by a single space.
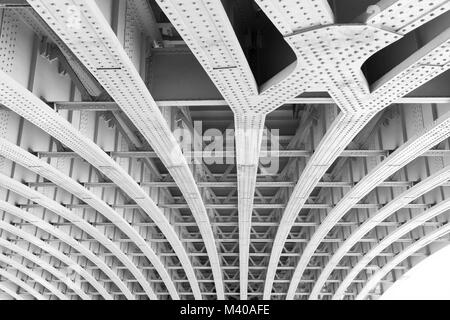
399 202
114 70
349 88
142 221
46 266
25 159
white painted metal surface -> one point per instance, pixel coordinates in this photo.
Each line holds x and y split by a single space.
18 266
350 90
13 278
67 214
30 107
206 29
109 63
7 289
5 206
46 266
438 209
401 157
25 159
419 244
330 56
399 202
51 250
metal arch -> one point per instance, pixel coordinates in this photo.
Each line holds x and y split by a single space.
33 275
146 19
110 65
215 45
32 20
418 60
428 184
70 241
27 160
24 103
401 157
10 292
46 266
419 244
52 251
9 276
67 214
358 105
403 16
397 234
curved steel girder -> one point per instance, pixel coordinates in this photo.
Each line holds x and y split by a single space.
47 203
46 266
419 244
51 250
69 241
409 151
417 221
10 292
403 16
15 97
350 91
13 278
110 65
428 184
14 153
33 275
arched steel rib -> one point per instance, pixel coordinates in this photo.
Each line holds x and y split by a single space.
206 29
418 220
10 292
13 278
14 153
5 206
42 200
97 47
403 16
23 102
51 250
351 92
214 43
33 275
46 266
428 184
401 157
419 244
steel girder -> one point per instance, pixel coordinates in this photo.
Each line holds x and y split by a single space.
350 91
413 223
350 97
16 280
112 67
15 97
401 157
15 265
6 288
25 159
47 267
5 206
407 252
67 214
399 202
53 252
216 47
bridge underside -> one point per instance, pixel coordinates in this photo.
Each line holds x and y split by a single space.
207 149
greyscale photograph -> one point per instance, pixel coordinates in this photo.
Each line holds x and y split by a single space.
196 151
